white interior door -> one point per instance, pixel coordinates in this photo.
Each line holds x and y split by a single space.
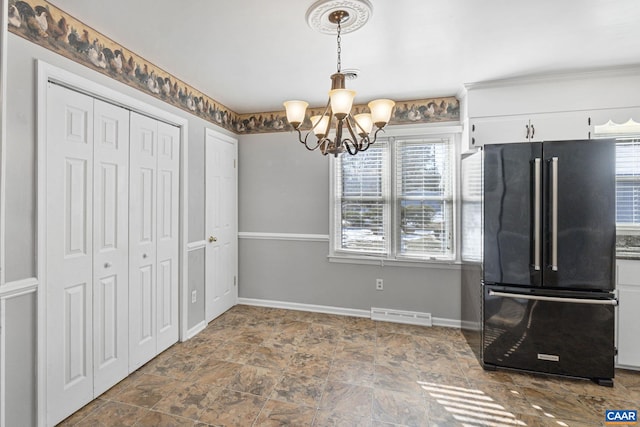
221 252
142 240
168 234
69 248
110 245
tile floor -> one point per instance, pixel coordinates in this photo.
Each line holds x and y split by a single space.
265 367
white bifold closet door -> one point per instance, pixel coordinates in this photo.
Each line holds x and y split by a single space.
86 277
153 241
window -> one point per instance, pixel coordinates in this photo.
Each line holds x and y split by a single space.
395 200
628 182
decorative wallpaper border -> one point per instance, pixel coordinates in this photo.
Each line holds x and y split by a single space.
46 25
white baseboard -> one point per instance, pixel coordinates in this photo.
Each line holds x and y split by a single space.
471 326
437 321
195 330
305 307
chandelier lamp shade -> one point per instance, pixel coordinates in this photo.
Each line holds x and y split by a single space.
353 133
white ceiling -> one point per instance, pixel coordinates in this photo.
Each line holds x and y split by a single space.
251 55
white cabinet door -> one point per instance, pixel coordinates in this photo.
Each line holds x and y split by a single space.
566 126
498 130
167 235
628 279
628 321
221 253
142 240
69 248
110 245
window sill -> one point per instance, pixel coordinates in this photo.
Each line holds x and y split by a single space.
436 264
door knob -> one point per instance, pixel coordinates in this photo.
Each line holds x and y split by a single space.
212 239
107 264
144 255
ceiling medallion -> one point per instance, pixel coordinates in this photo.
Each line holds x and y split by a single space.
358 13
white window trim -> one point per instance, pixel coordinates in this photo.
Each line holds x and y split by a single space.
433 130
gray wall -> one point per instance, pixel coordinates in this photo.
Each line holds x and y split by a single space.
284 188
20 362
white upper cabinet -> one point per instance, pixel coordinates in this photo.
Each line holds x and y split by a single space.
529 128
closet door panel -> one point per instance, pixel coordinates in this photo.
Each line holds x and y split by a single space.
142 240
111 245
167 234
69 248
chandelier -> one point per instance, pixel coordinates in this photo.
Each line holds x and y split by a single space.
353 133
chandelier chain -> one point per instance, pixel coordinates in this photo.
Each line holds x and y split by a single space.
339 47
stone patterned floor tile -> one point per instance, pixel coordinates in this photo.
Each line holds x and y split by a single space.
399 408
299 389
310 365
355 351
347 399
112 413
159 419
329 419
275 413
324 332
233 351
86 410
147 391
267 357
314 345
254 380
188 400
215 373
232 408
352 372
398 379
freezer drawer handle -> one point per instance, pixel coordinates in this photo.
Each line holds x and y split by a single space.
554 299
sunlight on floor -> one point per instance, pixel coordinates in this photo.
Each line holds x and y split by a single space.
474 408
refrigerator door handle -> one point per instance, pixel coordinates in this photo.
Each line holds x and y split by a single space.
554 299
554 213
536 214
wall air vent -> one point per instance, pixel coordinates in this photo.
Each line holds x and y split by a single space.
401 316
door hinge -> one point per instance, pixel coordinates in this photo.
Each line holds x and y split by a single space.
235 280
234 163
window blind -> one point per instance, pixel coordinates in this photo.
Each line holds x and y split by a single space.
361 212
628 181
424 197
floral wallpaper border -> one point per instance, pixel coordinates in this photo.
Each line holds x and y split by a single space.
46 25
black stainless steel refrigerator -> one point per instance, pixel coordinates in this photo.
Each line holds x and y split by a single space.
549 258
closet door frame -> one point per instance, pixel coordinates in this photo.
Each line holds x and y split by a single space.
48 73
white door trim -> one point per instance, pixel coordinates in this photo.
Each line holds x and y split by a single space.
49 73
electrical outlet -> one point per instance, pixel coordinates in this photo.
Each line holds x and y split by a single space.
194 296
379 285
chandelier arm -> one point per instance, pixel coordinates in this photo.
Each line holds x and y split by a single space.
304 141
358 143
350 143
375 135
